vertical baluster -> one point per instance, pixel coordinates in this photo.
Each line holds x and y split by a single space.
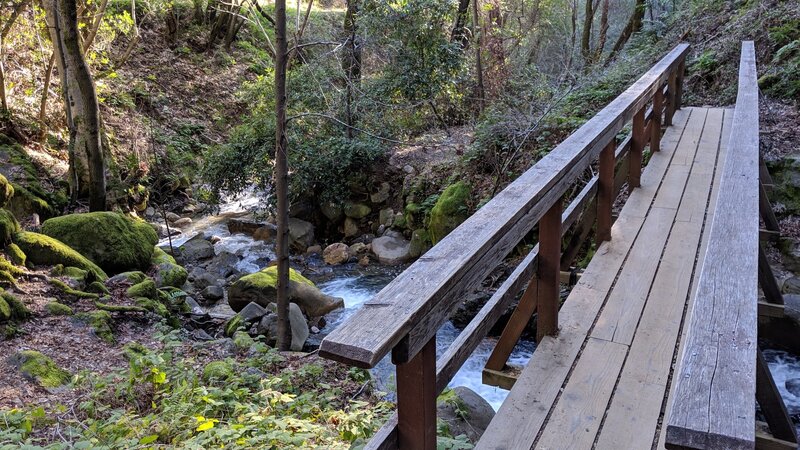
416 400
549 290
655 122
605 192
679 84
637 146
670 110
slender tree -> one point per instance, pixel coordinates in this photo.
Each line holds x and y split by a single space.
459 33
281 176
478 49
634 25
586 37
351 63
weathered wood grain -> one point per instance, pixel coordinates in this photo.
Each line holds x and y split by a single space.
715 386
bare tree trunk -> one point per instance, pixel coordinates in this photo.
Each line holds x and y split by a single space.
87 163
574 36
586 37
87 43
281 177
3 99
351 63
14 14
634 25
476 18
459 33
601 41
48 73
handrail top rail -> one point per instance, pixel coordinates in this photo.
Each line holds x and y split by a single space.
715 383
425 292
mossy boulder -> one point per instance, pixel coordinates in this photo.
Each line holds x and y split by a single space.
97 288
168 272
58 309
16 255
260 288
40 368
218 371
153 306
132 277
449 211
112 240
25 203
6 191
45 250
18 310
100 323
146 289
8 226
232 325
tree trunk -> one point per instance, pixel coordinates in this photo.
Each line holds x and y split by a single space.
459 33
601 41
87 164
586 37
634 25
281 177
3 100
351 63
478 49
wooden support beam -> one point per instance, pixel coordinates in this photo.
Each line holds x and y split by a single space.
549 290
416 400
772 406
670 109
505 378
771 310
605 192
768 236
679 84
765 441
763 173
766 211
515 326
638 140
655 121
766 279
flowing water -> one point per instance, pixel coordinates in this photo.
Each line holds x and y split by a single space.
354 284
785 370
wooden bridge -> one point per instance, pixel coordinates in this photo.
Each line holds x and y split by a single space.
656 344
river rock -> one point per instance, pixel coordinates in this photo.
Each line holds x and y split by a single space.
391 250
268 327
357 210
386 217
172 217
183 222
196 249
350 228
791 286
252 312
260 287
314 250
358 248
335 254
265 233
149 211
465 412
301 233
193 306
212 293
223 265
382 195
420 242
243 226
332 211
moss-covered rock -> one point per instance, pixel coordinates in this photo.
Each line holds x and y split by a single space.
146 289
19 311
218 371
100 323
6 266
8 226
260 288
5 311
168 272
420 242
449 211
65 288
119 308
133 277
153 306
6 191
58 309
16 255
232 325
40 368
45 250
97 288
25 203
112 240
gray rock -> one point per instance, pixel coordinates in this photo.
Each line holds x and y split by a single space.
382 195
301 234
149 211
196 249
420 242
335 254
183 222
408 169
268 327
221 311
172 217
194 307
253 312
465 412
314 250
386 217
332 211
391 250
223 265
357 210
350 227
299 327
213 293
791 286
201 335
793 386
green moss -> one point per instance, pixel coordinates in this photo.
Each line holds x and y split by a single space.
24 203
65 288
58 309
5 310
6 266
146 288
114 241
168 274
45 250
119 308
39 367
15 254
218 371
161 257
134 277
100 322
133 350
6 191
8 226
7 277
153 306
232 325
268 277
19 311
98 288
449 211
242 340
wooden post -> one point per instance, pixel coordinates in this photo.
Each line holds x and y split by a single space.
514 327
670 110
605 192
766 279
637 146
416 400
771 403
655 122
679 84
549 292
764 206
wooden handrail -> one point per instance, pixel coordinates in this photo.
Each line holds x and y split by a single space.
715 386
403 318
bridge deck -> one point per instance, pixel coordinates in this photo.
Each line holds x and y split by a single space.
603 382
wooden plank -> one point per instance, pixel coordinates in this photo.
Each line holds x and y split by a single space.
768 236
771 310
767 280
716 381
766 210
504 378
670 109
771 403
514 327
605 192
577 415
763 173
765 441
706 218
548 296
414 305
386 436
416 400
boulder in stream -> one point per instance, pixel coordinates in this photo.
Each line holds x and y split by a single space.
196 248
465 412
335 254
260 287
301 234
391 249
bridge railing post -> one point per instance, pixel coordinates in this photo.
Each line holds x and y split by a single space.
679 84
416 400
549 271
670 110
605 191
638 140
655 121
